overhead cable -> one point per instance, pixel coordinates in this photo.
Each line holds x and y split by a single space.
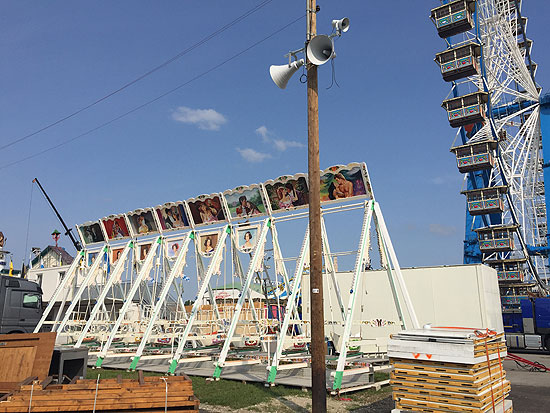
155 99
141 77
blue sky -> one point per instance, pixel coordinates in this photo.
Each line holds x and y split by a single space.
232 126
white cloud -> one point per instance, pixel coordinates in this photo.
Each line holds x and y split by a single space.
282 145
442 230
251 155
263 132
438 180
279 144
206 119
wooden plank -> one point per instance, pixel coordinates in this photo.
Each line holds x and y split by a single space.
46 382
448 395
508 408
54 406
91 394
147 394
24 355
460 388
426 405
406 374
447 367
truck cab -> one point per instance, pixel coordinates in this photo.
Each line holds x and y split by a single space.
20 305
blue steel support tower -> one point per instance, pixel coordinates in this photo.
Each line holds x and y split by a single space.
495 104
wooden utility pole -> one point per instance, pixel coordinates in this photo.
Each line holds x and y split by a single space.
318 347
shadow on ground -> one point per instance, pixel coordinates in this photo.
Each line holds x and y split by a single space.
385 405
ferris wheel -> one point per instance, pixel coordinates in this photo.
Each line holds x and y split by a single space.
495 105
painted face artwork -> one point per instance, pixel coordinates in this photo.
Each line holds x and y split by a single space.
245 202
287 193
206 210
172 217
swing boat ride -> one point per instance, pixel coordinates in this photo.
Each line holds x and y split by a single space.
126 295
221 280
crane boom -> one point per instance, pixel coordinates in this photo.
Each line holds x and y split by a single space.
67 229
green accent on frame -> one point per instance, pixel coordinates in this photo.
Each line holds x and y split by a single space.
338 380
173 366
217 372
99 361
134 364
272 374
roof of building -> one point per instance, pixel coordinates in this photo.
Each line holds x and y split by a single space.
66 258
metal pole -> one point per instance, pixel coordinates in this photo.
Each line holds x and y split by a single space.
318 347
67 230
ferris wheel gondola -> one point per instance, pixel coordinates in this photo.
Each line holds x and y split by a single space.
495 104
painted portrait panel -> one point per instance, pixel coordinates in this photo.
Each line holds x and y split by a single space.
287 193
247 238
206 209
173 247
91 233
143 251
143 222
116 254
91 258
116 227
208 243
172 216
344 181
245 201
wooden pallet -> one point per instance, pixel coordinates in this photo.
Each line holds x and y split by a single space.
448 396
434 384
458 368
472 378
426 406
507 408
149 394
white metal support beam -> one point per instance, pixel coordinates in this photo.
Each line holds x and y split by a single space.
177 268
290 307
242 296
114 276
359 269
142 275
76 298
64 283
198 302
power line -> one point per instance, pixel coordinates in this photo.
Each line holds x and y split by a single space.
155 99
143 76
